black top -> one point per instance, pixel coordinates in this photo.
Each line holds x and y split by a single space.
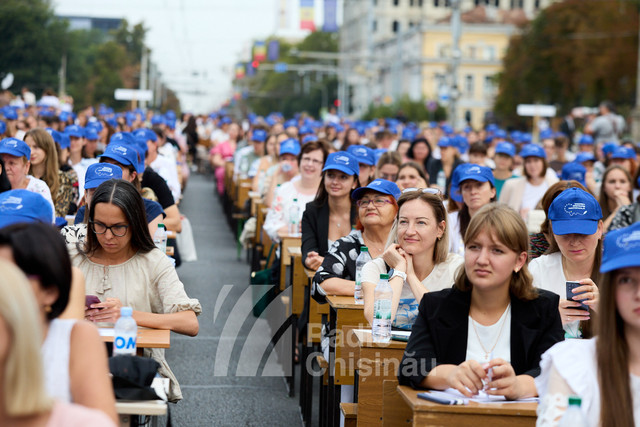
340 261
434 166
441 330
315 228
151 179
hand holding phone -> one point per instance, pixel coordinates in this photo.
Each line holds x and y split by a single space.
570 295
91 299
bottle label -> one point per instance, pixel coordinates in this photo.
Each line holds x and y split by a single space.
125 344
382 309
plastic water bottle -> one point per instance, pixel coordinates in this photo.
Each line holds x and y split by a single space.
441 181
125 333
160 238
362 259
294 218
573 416
381 330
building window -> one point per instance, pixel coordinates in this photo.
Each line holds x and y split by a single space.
497 3
472 52
396 2
443 51
536 4
419 3
489 86
395 27
436 3
489 53
468 85
411 3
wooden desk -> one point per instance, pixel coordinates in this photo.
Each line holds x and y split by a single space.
147 338
473 414
286 241
376 362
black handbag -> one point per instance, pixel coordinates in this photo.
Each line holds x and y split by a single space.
132 377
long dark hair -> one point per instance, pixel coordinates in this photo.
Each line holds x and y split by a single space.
5 185
604 198
124 195
413 144
464 216
322 196
39 250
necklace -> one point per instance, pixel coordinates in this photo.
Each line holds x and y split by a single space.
487 353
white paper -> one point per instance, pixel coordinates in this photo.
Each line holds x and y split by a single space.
481 397
106 332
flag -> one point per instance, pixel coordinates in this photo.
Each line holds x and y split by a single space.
251 71
273 50
259 51
306 15
240 71
330 24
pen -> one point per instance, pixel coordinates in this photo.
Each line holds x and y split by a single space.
432 398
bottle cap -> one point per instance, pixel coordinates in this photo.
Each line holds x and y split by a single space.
295 200
126 311
364 249
384 277
162 225
575 400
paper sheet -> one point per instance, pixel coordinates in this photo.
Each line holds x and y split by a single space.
482 397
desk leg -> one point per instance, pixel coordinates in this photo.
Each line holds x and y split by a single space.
291 379
333 416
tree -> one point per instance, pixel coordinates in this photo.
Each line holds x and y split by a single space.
575 53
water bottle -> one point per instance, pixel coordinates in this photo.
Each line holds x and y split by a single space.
294 219
160 238
125 333
362 259
381 330
441 181
573 416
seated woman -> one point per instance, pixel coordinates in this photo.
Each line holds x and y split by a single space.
388 166
411 175
616 191
489 331
122 267
25 400
418 254
575 250
477 188
603 371
377 209
331 214
367 162
75 358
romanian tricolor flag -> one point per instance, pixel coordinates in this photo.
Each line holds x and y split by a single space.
259 51
240 71
307 15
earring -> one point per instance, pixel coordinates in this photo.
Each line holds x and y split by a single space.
47 309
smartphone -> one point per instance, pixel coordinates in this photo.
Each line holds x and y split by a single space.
570 287
91 299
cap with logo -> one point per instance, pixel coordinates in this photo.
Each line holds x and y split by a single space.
17 206
147 134
122 138
15 147
476 173
446 142
455 181
121 153
98 173
309 138
74 131
585 157
342 161
506 148
379 185
621 248
609 147
290 146
378 152
532 150
365 155
585 140
574 211
574 171
259 135
91 134
623 153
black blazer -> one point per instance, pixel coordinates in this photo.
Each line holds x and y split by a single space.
439 334
315 228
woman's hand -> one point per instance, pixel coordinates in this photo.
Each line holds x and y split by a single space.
591 295
313 260
467 378
106 311
568 312
409 259
394 258
502 380
621 197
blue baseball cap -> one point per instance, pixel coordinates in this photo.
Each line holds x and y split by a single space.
621 248
309 138
290 146
609 147
122 138
500 134
146 134
461 143
446 142
585 140
98 173
3 127
623 153
10 113
157 120
342 161
365 155
454 193
17 206
379 185
91 134
476 173
378 152
74 131
574 211
65 142
574 171
259 135
124 154
585 157
532 150
15 147
305 130
506 148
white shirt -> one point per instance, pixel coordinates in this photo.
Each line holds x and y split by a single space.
169 172
456 243
278 215
494 339
533 194
55 358
548 274
36 185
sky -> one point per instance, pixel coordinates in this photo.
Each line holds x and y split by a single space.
194 43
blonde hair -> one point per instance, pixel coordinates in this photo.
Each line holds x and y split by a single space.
509 229
24 390
45 142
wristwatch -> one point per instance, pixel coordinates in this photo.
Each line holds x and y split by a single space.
398 273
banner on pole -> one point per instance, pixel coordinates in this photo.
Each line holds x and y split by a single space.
240 71
259 51
273 50
307 15
330 24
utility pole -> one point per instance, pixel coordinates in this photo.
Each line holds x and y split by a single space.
456 29
144 63
62 76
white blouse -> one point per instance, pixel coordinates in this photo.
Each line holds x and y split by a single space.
494 339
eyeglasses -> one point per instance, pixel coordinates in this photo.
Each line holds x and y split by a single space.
312 161
389 176
434 191
378 203
118 230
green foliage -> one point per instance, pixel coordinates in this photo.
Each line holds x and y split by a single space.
575 53
415 111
